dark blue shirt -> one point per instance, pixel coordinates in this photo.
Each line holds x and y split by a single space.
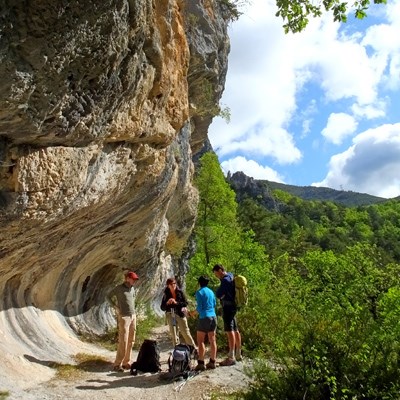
226 291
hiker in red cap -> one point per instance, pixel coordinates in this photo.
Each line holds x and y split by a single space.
122 297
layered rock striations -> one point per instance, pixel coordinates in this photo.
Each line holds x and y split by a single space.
102 106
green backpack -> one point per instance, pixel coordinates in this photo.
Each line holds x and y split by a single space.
241 291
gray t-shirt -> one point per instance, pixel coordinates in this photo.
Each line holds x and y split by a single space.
125 296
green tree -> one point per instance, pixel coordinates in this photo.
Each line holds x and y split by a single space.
332 323
217 233
220 239
296 13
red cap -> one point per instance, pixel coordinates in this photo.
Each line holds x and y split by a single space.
131 275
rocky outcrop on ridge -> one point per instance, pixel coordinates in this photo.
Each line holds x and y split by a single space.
102 106
246 186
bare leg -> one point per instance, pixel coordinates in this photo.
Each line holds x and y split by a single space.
231 341
238 345
213 345
201 346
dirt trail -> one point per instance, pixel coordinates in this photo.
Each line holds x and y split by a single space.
102 383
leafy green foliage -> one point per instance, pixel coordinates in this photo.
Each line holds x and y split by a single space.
296 13
302 225
330 332
219 238
217 231
324 283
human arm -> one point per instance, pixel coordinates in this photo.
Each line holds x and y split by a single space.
219 293
168 302
181 300
112 299
164 302
226 290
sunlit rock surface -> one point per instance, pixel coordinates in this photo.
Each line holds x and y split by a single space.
102 106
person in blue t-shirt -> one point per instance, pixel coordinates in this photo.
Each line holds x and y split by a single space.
207 324
226 294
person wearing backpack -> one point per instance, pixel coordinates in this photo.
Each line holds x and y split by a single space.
122 298
207 324
173 303
226 294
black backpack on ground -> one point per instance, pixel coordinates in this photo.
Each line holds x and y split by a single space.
180 361
148 359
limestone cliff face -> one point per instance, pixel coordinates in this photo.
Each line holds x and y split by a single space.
102 106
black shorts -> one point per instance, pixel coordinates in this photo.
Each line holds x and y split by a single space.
207 325
229 317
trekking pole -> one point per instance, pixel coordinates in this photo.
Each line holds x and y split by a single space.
192 374
173 317
180 386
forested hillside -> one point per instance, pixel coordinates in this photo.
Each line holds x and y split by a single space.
300 225
324 284
245 186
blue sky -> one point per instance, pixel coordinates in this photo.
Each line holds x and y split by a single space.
321 107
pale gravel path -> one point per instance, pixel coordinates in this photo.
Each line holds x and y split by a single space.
105 384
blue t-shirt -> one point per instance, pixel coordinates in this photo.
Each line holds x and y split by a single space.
206 302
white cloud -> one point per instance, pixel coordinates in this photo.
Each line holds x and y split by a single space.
371 165
277 83
383 38
369 111
307 116
250 168
346 71
260 89
268 68
265 141
339 126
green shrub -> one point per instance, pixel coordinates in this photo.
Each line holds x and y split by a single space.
330 325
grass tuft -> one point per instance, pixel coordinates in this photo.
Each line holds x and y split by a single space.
84 363
4 394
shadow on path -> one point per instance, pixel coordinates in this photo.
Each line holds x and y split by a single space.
142 381
91 365
37 361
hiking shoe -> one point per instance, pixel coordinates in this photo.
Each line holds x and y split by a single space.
118 368
200 367
239 357
227 362
126 366
210 365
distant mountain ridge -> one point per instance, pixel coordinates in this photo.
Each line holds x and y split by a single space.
262 190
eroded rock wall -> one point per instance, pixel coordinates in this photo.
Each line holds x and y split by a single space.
102 105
